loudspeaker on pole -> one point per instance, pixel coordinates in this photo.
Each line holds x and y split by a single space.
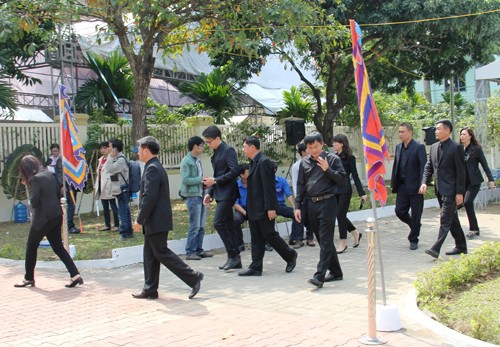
295 131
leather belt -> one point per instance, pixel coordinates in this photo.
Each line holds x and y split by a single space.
321 197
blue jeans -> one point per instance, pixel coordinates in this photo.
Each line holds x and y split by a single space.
107 217
197 218
124 214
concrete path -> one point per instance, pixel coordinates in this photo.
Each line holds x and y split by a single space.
277 309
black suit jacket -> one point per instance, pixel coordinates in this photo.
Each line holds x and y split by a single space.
45 195
261 188
449 170
473 157
155 209
226 171
414 168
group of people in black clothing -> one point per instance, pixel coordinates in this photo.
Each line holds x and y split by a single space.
322 193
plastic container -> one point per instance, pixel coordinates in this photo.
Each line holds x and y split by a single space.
20 213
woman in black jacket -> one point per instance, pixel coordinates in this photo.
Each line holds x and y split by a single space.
473 156
344 192
46 221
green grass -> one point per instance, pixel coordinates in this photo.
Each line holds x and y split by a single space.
94 244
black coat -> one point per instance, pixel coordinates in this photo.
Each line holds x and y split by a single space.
155 209
449 170
349 164
261 188
45 195
414 168
474 156
226 171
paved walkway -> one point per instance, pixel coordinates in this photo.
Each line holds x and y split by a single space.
277 309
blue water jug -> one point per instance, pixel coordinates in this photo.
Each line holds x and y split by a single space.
20 213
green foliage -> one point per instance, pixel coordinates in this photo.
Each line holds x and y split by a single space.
164 114
11 177
437 287
113 76
216 93
296 105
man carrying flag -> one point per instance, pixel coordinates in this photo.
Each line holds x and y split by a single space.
75 166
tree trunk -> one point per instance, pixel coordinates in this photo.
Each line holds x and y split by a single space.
139 109
427 90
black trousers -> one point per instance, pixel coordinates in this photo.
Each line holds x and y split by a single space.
449 222
345 225
51 230
470 194
239 219
262 231
226 228
156 252
321 217
406 201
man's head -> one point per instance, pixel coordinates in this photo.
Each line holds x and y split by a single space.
212 136
104 147
405 132
443 130
244 170
302 149
118 144
54 149
314 144
251 146
148 148
196 145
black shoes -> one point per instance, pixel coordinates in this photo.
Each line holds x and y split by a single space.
292 263
147 295
196 287
25 283
74 230
316 282
232 263
432 253
413 246
330 278
73 283
356 244
472 234
205 254
250 272
456 251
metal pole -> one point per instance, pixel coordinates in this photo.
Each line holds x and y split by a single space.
379 250
64 231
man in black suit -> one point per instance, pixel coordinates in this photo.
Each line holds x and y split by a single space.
155 220
319 174
262 204
446 163
223 187
408 169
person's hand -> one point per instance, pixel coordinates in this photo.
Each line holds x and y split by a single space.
271 214
491 184
113 153
207 199
364 198
297 215
322 163
137 227
423 189
459 199
208 181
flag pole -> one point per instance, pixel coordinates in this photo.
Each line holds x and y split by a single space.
64 205
379 249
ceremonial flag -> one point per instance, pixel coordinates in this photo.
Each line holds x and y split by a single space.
75 166
374 145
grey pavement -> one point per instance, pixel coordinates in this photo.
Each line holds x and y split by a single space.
277 309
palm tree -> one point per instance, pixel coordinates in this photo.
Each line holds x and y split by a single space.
296 106
216 93
113 74
7 93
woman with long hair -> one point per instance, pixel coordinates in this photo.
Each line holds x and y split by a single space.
474 156
45 193
344 192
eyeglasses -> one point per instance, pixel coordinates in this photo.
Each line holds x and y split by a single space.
208 141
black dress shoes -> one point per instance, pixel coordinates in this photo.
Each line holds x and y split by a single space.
250 272
146 295
330 278
196 287
316 282
223 266
25 283
291 264
432 253
456 251
233 263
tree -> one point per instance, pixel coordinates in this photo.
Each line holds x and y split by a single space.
216 93
396 55
295 105
113 77
7 94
